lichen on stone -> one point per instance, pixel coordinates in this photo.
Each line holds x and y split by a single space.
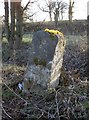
54 32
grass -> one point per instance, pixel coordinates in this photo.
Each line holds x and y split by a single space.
69 38
75 39
7 94
86 105
26 38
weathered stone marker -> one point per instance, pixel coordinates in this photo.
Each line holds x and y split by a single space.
44 67
43 47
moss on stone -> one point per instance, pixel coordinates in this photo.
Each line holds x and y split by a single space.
38 61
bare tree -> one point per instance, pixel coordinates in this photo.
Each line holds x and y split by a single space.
71 6
19 20
63 9
55 8
14 31
48 8
59 9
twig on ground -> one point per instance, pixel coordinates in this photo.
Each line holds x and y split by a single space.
49 111
41 115
57 104
68 108
6 113
15 93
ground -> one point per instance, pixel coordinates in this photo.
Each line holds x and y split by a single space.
68 102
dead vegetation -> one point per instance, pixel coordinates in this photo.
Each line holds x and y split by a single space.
68 102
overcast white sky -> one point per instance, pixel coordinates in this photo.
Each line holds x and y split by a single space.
80 10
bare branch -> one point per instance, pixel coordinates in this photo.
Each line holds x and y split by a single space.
29 2
72 5
28 17
42 9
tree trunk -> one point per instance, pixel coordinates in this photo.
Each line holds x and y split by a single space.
70 14
61 15
19 24
88 45
56 16
88 62
70 10
12 32
50 16
7 20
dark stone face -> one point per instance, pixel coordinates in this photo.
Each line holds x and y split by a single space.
43 46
